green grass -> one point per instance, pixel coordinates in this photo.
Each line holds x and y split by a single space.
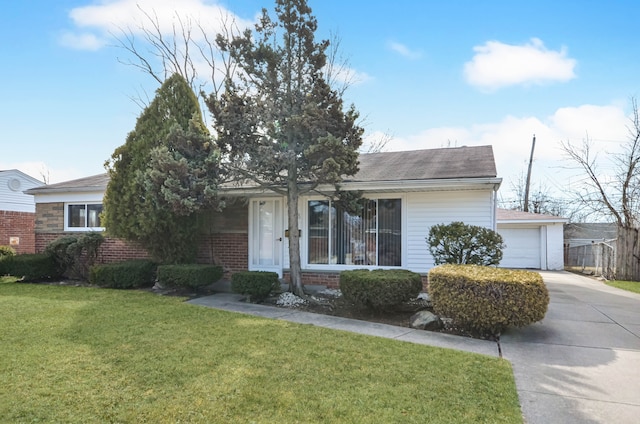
632 286
83 355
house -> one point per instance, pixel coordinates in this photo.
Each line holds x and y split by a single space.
590 247
17 210
407 192
531 240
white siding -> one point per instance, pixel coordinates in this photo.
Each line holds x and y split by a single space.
424 210
555 247
12 185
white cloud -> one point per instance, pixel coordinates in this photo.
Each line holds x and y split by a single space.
82 41
111 17
403 50
496 65
511 139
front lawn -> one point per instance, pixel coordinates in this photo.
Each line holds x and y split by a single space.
632 286
82 355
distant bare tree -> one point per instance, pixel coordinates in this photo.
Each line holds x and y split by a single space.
187 50
45 174
377 144
616 195
541 200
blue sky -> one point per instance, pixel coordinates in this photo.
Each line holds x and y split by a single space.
427 73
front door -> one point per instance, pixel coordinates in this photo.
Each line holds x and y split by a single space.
265 235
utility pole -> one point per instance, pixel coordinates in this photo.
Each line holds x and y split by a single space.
526 188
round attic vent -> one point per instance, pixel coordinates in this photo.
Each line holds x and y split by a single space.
14 184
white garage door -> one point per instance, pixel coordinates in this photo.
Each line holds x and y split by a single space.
522 247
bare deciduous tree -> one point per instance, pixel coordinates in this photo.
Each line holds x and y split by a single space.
615 195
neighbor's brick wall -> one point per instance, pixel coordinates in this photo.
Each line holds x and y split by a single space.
21 225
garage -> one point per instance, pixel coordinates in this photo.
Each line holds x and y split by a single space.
522 248
532 241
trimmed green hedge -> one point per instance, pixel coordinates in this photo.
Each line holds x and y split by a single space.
379 289
488 299
255 284
188 275
124 275
30 267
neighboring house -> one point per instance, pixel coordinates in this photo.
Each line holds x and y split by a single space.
590 245
17 210
407 193
532 240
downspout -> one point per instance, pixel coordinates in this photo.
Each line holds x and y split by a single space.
494 203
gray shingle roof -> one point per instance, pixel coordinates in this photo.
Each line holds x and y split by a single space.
456 162
93 183
413 165
513 215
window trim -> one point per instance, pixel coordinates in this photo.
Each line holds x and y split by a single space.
304 242
79 229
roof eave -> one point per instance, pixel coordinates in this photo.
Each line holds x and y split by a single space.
533 221
395 186
50 190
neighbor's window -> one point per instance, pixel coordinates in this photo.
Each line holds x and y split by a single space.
84 215
371 235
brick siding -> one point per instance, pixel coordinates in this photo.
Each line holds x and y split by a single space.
49 218
20 225
231 250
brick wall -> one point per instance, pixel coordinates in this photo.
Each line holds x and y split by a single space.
21 227
112 250
231 250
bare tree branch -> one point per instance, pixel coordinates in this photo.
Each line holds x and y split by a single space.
583 158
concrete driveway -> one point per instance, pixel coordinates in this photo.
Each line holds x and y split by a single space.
581 364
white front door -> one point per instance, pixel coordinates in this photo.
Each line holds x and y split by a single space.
265 235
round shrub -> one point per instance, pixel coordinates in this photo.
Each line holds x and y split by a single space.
124 275
191 276
255 284
459 243
75 255
379 289
7 251
488 299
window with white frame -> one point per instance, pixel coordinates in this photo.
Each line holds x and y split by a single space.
83 216
370 235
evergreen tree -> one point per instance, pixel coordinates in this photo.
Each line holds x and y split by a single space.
157 185
278 122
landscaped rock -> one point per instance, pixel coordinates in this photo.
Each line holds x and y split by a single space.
425 320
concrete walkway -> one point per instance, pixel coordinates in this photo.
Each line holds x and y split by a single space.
581 364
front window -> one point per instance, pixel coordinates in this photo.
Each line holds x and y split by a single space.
81 216
371 235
